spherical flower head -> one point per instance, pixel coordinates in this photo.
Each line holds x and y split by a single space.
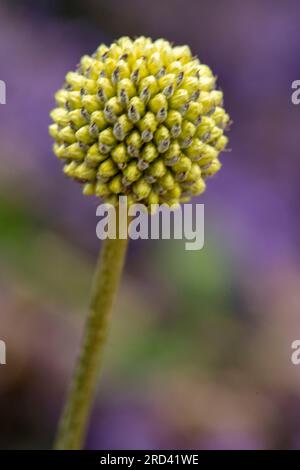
140 119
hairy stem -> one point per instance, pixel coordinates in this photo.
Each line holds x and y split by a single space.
74 420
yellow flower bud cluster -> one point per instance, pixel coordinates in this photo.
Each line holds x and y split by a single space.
141 119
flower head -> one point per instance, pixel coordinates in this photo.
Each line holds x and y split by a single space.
141 119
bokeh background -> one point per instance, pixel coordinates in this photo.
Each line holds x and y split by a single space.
199 352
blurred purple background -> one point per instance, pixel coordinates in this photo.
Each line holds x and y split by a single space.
199 353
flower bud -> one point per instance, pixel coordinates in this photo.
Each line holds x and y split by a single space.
107 140
136 109
140 119
134 143
125 90
112 109
148 87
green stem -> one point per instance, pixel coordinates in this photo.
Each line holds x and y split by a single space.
74 420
